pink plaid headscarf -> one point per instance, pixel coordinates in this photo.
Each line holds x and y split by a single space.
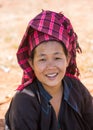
47 25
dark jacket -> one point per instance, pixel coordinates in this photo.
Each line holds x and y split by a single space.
30 108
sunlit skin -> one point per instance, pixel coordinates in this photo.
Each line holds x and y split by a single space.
49 65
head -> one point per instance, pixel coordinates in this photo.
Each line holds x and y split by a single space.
49 61
48 29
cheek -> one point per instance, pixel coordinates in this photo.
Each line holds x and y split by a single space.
62 64
39 67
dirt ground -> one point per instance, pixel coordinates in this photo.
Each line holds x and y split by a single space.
14 17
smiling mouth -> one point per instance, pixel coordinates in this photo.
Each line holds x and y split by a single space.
53 75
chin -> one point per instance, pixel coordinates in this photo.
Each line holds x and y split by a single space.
53 84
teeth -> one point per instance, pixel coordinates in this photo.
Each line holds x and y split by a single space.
52 75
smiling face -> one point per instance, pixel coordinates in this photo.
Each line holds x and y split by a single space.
49 63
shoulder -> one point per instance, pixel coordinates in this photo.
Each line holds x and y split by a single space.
77 90
22 110
26 98
76 84
79 95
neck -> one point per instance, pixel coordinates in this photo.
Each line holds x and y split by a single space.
54 91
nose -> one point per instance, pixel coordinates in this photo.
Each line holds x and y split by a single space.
50 64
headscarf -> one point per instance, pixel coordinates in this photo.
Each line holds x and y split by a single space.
47 25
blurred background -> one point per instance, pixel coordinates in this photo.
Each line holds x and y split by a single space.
14 17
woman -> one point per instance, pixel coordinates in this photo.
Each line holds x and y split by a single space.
51 97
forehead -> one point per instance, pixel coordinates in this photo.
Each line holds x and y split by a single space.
49 47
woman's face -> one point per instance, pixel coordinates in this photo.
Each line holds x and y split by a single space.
49 63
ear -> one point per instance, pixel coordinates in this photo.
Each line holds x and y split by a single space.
30 63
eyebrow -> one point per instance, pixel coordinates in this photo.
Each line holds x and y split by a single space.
56 53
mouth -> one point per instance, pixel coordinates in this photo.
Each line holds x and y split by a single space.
52 75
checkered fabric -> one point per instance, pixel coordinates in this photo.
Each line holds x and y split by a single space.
47 25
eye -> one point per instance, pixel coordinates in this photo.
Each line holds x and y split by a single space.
58 58
42 59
